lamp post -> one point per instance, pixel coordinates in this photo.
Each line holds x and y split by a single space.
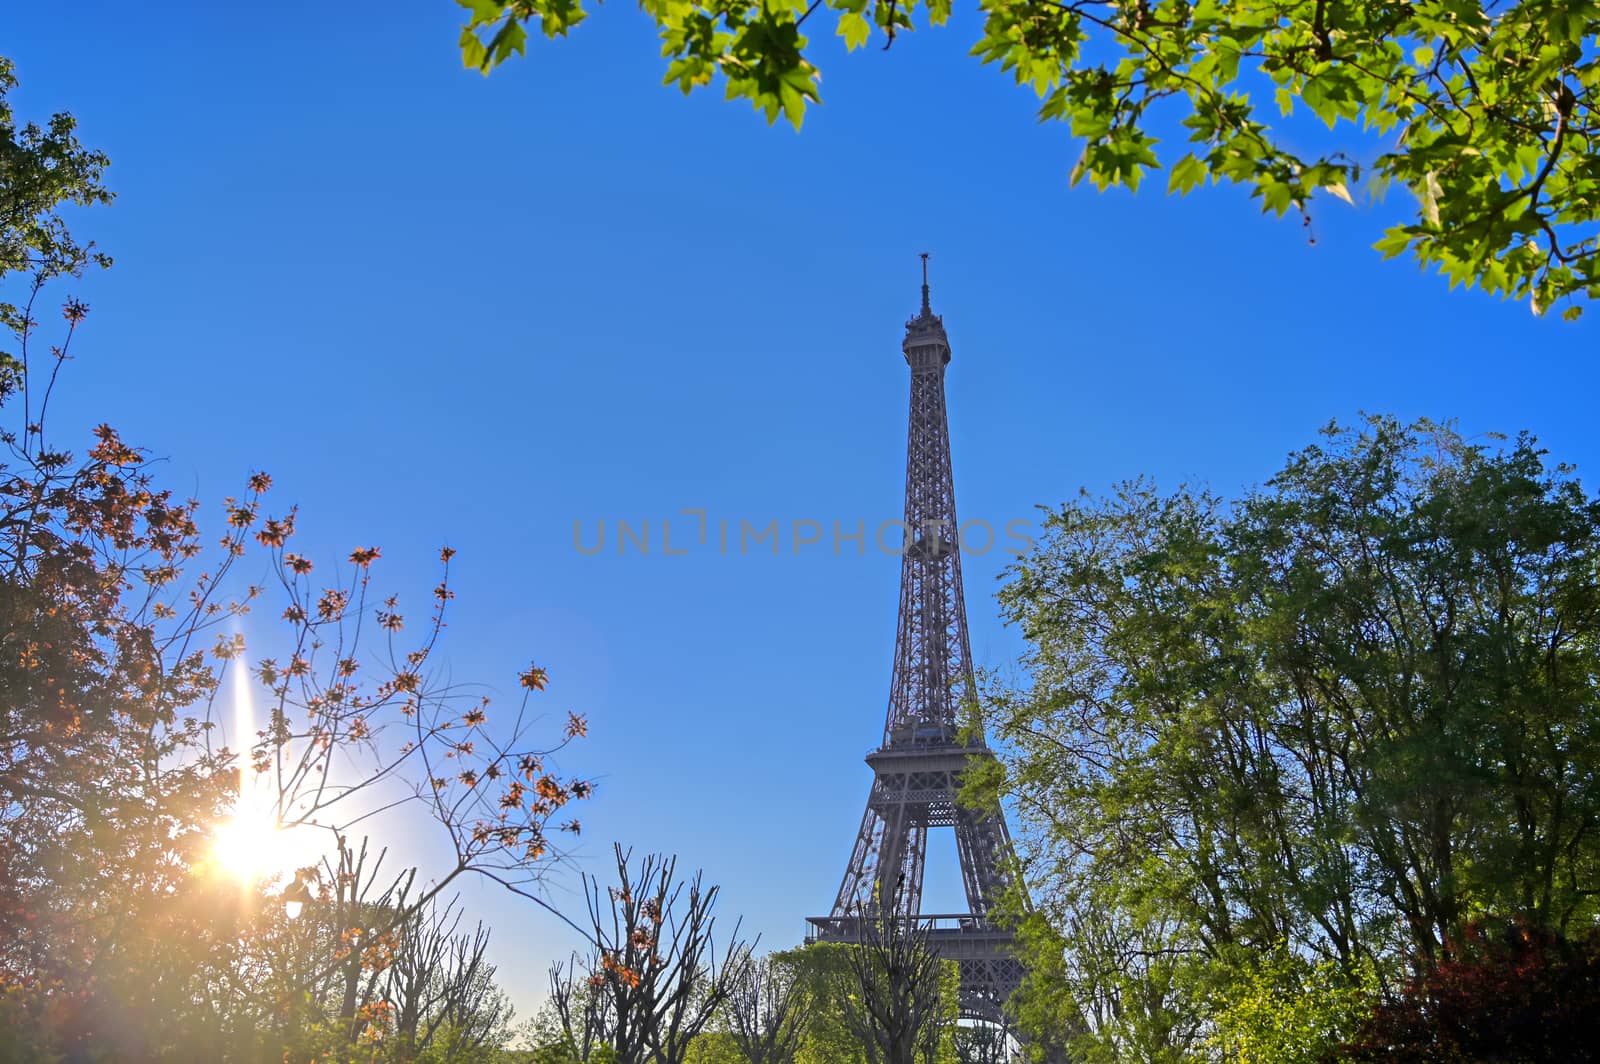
295 896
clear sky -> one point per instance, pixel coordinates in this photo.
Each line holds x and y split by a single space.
440 308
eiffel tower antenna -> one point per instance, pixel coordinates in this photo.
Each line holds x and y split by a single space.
927 748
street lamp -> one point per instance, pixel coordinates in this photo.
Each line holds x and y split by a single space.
295 896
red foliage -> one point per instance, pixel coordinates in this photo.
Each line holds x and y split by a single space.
1508 992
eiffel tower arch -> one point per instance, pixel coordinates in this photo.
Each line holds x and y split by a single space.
930 736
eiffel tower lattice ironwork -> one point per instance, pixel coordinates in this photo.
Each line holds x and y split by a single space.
927 746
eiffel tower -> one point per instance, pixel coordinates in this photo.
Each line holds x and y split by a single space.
931 736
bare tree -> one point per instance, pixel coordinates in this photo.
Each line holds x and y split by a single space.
355 917
892 995
768 1011
440 984
416 983
473 1010
364 958
584 1010
656 972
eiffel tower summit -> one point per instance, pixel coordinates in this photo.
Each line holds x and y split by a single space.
927 747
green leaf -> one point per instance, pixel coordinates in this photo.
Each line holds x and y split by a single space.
1277 196
1396 241
474 56
511 39
1186 174
855 29
483 11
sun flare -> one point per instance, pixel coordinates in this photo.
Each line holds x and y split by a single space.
248 846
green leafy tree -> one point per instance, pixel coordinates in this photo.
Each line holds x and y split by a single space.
1334 720
545 1035
1484 112
830 973
1285 1010
767 1012
42 169
822 970
714 1047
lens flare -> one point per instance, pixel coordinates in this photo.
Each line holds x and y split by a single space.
248 845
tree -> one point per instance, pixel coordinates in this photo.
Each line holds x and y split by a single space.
1284 1010
107 785
655 978
584 1013
1485 112
440 985
823 971
41 170
984 1043
372 967
713 1047
122 933
115 916
896 994
1331 721
769 1010
1510 992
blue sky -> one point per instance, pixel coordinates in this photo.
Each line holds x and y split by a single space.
440 308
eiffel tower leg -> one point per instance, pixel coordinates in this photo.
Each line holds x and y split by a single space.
984 847
860 876
894 856
916 858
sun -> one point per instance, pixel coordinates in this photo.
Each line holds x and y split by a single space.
249 845
259 843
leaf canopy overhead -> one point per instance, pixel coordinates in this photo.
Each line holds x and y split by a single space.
1485 111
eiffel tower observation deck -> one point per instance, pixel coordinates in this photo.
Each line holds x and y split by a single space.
927 745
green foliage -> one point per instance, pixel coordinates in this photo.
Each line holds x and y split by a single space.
757 48
823 968
1333 721
713 1047
1486 113
41 170
1283 1010
547 1043
451 1046
825 971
